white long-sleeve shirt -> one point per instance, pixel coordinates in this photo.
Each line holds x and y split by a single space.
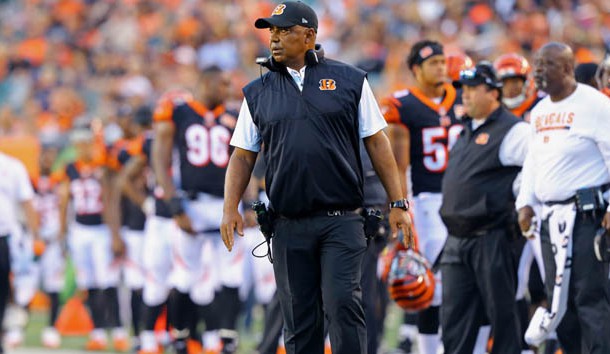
570 147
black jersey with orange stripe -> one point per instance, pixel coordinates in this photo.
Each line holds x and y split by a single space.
85 180
142 146
202 137
132 216
46 203
433 129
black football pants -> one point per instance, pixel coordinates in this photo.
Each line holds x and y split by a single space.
317 264
585 327
479 279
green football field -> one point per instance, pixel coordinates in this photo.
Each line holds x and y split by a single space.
248 337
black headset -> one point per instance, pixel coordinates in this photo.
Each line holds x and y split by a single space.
311 58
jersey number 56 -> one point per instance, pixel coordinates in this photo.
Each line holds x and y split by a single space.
436 152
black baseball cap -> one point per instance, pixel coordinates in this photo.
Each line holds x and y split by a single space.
482 73
288 14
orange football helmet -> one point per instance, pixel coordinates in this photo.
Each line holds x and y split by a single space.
457 63
411 282
512 65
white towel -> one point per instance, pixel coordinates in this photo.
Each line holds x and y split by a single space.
561 224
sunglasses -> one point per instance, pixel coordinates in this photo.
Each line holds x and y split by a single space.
470 74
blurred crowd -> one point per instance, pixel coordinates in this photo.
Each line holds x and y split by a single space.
63 60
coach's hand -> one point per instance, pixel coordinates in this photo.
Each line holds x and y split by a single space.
231 222
606 221
184 223
400 219
526 214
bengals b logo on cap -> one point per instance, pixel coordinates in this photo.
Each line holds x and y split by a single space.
328 85
279 9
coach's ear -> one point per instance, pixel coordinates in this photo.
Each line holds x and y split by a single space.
310 36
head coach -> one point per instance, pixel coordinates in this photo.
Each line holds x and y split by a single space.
479 273
311 112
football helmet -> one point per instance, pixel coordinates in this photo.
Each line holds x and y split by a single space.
514 65
410 281
457 63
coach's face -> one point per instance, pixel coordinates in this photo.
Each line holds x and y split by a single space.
479 100
548 70
288 45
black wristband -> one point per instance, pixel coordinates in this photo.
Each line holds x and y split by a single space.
175 206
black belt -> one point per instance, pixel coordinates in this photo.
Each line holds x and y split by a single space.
326 213
604 187
192 195
561 202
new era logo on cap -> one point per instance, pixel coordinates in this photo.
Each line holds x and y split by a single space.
288 14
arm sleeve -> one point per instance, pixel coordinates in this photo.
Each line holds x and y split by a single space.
526 189
602 137
515 145
246 135
24 190
369 116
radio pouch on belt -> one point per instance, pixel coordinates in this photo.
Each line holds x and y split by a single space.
265 221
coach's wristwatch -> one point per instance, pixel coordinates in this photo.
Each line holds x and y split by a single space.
401 203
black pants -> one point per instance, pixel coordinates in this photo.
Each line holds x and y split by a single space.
5 268
370 293
317 264
479 280
273 327
585 327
